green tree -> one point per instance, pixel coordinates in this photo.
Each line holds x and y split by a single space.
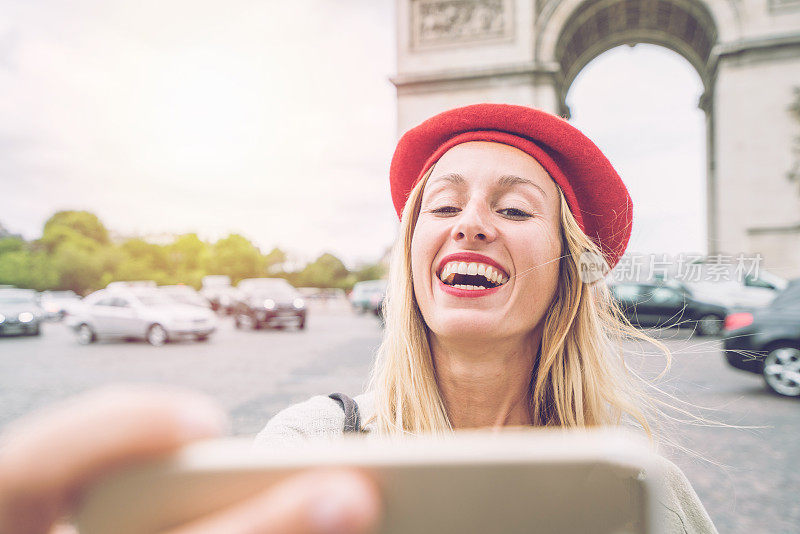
274 259
77 267
76 243
372 271
326 271
237 257
27 268
82 222
11 244
188 253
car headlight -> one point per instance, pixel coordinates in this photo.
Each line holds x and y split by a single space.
269 304
298 303
2 318
25 317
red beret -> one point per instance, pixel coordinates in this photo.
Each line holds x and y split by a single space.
596 196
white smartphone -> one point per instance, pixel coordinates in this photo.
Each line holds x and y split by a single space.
508 482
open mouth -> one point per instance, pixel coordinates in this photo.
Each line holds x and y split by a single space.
472 275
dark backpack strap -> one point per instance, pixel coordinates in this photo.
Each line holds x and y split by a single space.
352 421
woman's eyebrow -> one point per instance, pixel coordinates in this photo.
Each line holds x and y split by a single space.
509 180
452 177
506 181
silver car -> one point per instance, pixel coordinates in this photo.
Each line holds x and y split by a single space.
58 304
141 313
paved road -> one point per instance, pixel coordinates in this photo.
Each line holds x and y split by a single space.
747 478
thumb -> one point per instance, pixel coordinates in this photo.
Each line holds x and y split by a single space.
47 459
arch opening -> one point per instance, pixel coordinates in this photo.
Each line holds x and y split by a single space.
594 27
655 136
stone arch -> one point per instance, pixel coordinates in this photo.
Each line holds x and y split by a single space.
573 32
745 51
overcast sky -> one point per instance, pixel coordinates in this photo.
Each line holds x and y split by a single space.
277 120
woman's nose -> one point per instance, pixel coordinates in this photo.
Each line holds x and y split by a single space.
473 225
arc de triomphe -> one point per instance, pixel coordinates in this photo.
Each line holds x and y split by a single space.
747 52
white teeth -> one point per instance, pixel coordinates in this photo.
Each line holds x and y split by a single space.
472 269
468 287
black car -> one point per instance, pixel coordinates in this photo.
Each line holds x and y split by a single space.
767 342
20 313
271 302
668 304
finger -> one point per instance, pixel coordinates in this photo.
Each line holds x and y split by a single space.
46 459
316 502
63 528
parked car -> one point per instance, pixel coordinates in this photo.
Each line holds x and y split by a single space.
271 302
185 295
668 304
131 284
217 289
58 304
767 342
720 283
377 307
139 313
361 297
20 313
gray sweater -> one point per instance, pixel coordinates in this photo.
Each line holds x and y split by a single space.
321 418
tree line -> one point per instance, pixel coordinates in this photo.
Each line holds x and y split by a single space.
77 253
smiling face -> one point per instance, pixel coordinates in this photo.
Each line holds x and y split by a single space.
489 226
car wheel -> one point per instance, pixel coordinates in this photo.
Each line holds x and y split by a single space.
85 334
782 371
157 335
201 338
709 325
36 331
301 325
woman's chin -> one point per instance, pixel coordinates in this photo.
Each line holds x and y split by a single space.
467 324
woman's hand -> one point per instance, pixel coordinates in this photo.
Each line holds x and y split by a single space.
48 460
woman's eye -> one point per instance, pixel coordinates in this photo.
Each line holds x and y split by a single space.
446 210
514 213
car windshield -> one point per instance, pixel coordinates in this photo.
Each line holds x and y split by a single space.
283 293
370 287
60 295
177 290
153 299
789 297
267 285
18 297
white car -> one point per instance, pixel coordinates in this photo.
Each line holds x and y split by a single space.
748 291
142 313
58 304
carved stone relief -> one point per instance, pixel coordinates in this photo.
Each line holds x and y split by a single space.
443 22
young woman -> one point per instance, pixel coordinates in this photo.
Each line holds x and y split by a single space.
495 316
495 313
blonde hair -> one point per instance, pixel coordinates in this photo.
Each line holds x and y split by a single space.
579 380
